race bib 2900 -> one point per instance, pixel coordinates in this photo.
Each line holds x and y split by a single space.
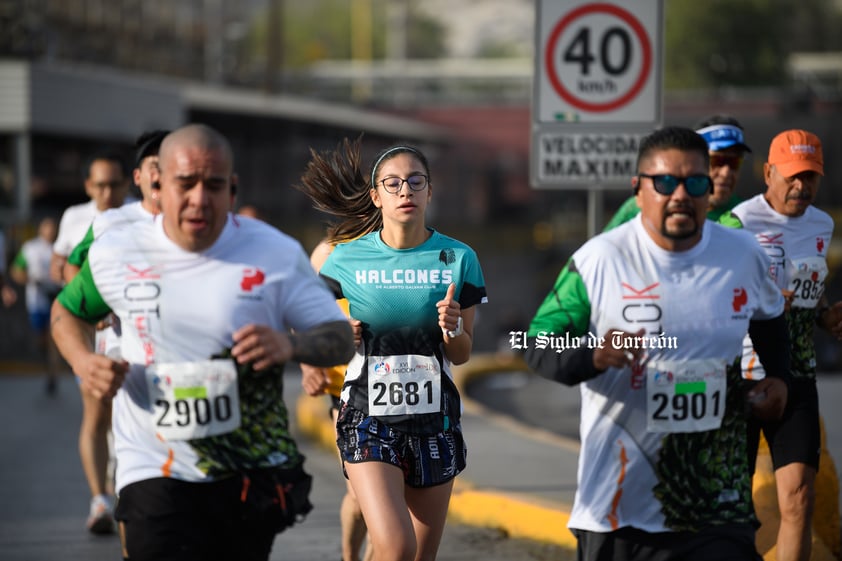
194 399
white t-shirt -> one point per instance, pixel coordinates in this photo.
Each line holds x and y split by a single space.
654 455
127 214
73 225
177 306
797 248
34 257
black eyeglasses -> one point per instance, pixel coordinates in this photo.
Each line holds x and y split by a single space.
665 184
393 184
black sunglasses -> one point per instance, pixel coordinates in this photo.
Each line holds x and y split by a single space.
665 184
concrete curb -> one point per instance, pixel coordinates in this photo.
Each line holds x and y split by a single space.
518 516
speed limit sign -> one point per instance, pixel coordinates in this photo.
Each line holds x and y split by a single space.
597 90
598 62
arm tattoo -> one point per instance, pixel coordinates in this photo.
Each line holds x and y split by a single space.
327 344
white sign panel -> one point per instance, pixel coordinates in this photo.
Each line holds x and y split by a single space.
581 159
597 90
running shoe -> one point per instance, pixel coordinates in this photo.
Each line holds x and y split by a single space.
101 518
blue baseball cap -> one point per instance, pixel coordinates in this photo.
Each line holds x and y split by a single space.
720 137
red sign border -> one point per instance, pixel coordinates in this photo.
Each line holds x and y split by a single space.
641 35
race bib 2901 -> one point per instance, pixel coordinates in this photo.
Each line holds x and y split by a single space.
685 396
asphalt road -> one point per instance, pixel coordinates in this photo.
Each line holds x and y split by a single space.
45 498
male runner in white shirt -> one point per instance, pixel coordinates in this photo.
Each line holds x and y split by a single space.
648 319
211 307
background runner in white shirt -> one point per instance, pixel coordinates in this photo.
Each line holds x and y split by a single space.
31 268
106 183
97 416
796 236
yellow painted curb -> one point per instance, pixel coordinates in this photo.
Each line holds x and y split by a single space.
312 414
826 532
519 518
484 364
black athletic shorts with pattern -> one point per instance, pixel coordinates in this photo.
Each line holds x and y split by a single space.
426 461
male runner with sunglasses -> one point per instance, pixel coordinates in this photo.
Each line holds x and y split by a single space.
727 148
795 235
662 304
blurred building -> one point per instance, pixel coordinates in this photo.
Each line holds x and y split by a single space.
53 116
155 36
79 75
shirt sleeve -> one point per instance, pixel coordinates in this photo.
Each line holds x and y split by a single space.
472 291
20 261
62 245
307 302
566 309
328 273
80 252
82 298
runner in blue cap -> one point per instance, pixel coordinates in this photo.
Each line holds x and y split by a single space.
727 148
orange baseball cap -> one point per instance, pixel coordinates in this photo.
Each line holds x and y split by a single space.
794 151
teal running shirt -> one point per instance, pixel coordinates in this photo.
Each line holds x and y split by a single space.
393 292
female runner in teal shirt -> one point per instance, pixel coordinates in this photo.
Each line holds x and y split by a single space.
413 290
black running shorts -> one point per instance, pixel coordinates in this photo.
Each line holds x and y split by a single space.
166 519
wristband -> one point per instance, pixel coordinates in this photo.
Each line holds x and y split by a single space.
456 332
